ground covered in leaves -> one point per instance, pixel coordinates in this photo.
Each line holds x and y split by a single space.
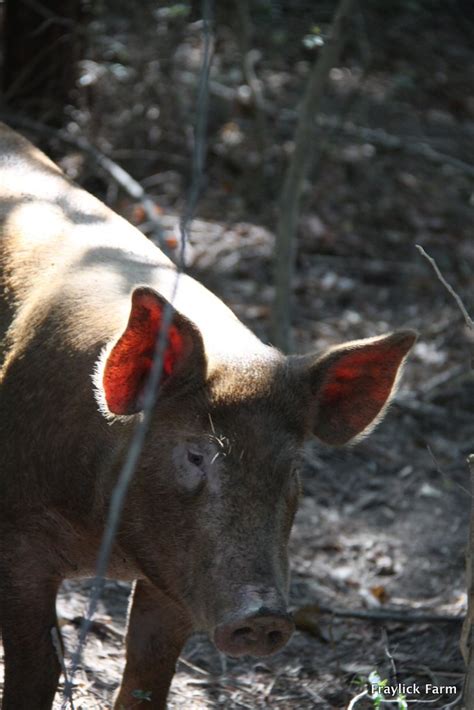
383 524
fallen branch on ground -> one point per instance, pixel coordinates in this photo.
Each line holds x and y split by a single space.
404 616
376 136
380 137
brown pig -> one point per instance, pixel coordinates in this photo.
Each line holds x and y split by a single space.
207 518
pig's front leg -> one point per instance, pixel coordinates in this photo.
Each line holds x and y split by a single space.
28 591
157 630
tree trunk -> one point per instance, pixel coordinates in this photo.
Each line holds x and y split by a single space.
43 41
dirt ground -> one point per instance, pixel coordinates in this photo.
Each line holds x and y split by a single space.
383 524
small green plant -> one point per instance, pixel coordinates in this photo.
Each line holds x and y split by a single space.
378 696
374 691
314 39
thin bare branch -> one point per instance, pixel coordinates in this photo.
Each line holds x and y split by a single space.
152 389
403 616
448 480
296 174
448 287
387 140
58 647
249 59
356 699
377 136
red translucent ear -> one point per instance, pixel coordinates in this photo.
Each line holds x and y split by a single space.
128 365
353 384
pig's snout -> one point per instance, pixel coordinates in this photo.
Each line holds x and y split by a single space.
258 634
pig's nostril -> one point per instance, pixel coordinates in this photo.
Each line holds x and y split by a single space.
259 635
275 638
245 636
244 631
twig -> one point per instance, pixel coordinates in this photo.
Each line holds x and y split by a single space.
356 699
199 149
249 59
131 186
389 654
295 176
441 379
448 287
400 615
60 656
193 667
48 14
455 702
444 474
430 673
425 409
268 690
152 389
124 479
370 266
467 635
419 667
312 693
387 140
102 630
377 136
41 57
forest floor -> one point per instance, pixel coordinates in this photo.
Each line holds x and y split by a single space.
384 523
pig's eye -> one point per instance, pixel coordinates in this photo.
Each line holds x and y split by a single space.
195 459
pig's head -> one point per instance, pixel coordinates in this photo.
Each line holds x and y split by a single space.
212 502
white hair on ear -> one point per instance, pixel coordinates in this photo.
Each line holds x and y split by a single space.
97 377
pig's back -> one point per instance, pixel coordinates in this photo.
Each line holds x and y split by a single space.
65 257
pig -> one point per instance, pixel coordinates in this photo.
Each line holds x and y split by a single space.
206 521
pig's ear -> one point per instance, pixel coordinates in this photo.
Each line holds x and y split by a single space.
127 365
352 385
